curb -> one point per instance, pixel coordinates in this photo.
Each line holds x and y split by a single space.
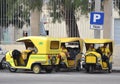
116 69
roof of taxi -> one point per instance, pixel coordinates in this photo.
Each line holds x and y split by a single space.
97 40
70 39
33 38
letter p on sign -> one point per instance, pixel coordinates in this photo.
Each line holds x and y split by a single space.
96 17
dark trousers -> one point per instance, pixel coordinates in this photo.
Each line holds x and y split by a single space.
105 59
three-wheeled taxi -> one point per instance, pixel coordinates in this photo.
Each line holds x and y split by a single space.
99 58
41 53
71 54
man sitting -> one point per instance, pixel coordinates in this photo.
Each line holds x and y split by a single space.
91 47
63 49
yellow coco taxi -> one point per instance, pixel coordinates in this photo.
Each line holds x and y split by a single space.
70 53
98 55
41 53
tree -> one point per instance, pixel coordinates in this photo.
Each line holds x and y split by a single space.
3 16
8 16
22 10
117 4
17 12
67 10
3 13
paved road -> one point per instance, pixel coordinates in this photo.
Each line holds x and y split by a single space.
59 78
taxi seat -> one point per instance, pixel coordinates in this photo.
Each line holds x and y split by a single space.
18 60
25 55
73 52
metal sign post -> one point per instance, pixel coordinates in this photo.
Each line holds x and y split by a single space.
97 9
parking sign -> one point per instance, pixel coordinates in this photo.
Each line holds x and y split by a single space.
96 20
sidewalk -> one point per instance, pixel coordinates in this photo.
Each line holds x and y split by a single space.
116 69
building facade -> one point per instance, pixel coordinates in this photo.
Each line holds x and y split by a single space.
11 33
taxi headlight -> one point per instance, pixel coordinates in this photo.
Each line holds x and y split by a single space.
98 59
83 59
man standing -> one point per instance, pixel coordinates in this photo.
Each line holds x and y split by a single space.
106 53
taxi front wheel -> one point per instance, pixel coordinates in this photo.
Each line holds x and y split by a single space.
12 69
110 71
36 68
2 64
91 68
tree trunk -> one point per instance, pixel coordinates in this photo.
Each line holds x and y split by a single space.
71 24
0 35
35 23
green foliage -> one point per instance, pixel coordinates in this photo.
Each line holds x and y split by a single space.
83 6
79 7
17 12
3 14
118 5
54 7
33 4
58 8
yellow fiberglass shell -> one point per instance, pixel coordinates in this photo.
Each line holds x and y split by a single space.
71 63
99 41
43 44
72 39
9 58
91 57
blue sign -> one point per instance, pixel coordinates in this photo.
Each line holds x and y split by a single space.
96 20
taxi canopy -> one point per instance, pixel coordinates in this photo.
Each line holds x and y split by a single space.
43 44
70 39
73 39
99 41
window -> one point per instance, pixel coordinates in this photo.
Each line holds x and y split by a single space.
117 31
54 45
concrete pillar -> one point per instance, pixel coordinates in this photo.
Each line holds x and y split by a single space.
35 23
108 19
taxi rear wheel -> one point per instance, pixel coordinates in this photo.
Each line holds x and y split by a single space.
48 70
36 68
87 70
